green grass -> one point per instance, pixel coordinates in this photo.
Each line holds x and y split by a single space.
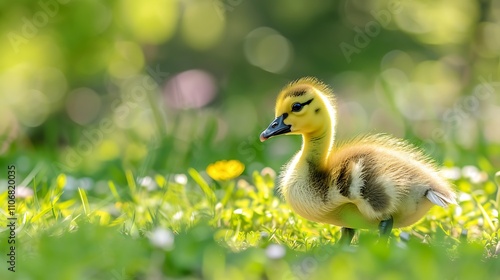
235 229
92 215
150 211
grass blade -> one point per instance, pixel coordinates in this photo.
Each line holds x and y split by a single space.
209 193
40 214
131 182
485 215
497 180
113 190
85 201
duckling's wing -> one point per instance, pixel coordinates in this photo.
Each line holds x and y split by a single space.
439 198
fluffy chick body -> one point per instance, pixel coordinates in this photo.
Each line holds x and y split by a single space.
357 184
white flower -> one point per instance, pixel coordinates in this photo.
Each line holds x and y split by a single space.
162 238
275 251
451 173
148 183
469 171
464 197
180 179
177 216
23 192
474 174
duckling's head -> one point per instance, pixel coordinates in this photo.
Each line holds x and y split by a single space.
305 107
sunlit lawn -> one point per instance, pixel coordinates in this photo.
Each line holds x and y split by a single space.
133 129
190 226
183 203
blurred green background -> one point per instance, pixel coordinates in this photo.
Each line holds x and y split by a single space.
92 86
105 106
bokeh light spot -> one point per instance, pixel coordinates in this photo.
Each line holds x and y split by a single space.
398 59
102 16
126 60
151 21
108 150
135 151
190 89
35 110
83 105
53 82
490 39
9 129
267 49
438 22
202 25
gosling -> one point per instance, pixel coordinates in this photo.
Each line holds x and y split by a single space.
370 182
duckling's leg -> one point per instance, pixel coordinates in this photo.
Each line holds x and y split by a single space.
385 227
346 235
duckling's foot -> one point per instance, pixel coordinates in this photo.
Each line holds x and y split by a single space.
346 235
385 227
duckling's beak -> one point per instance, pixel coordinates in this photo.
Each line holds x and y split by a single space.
276 127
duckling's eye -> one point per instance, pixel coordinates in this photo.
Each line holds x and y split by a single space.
296 107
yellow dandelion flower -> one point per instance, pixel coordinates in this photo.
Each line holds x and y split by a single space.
121 205
225 169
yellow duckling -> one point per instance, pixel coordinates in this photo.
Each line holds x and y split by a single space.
369 182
